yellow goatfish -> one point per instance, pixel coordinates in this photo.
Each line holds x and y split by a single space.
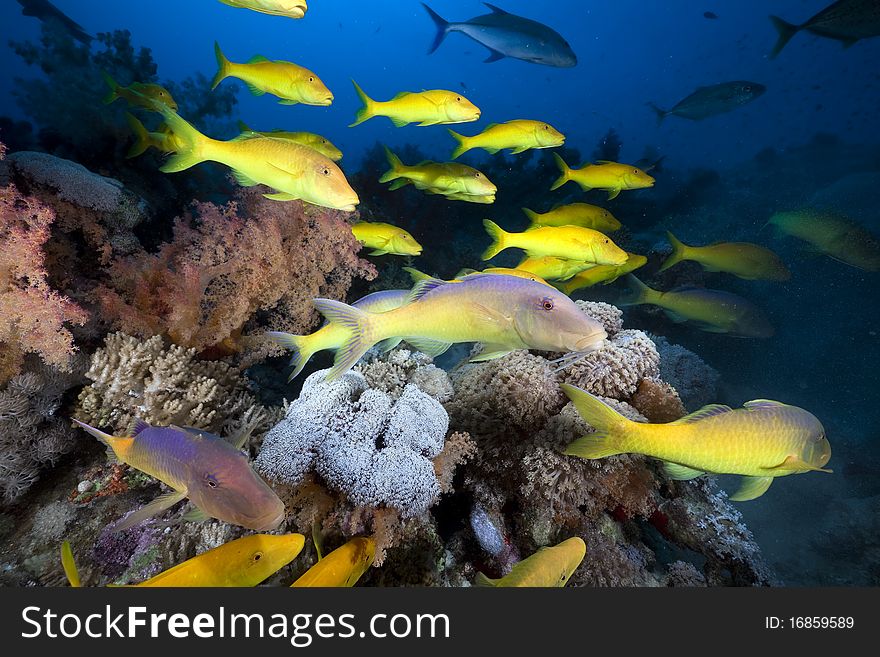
833 235
290 82
553 268
742 259
293 170
212 473
433 107
570 242
610 176
575 214
341 568
246 561
287 8
518 135
164 142
140 94
385 238
333 336
447 178
316 142
602 274
508 271
548 567
762 440
714 311
504 313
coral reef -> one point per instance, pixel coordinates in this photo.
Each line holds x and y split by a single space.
658 401
32 435
232 272
618 367
695 382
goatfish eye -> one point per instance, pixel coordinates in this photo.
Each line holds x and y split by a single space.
547 303
458 99
477 175
257 556
211 481
326 171
636 171
311 78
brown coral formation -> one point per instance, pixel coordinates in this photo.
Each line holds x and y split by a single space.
657 401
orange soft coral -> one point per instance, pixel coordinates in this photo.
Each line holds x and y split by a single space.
231 272
32 314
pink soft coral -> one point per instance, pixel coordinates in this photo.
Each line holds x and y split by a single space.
32 314
235 271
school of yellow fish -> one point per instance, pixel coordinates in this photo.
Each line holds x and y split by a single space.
566 248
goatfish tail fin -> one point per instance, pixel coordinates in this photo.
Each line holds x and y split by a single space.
105 438
661 113
191 142
354 320
498 236
300 346
223 67
368 111
113 94
69 565
639 293
679 252
141 137
565 173
482 580
533 216
461 147
610 426
786 31
396 167
442 26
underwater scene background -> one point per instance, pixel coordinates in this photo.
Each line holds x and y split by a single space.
131 294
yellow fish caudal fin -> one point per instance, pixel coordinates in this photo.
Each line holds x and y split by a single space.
353 320
368 111
462 145
223 66
69 565
609 426
565 172
300 347
497 234
679 251
141 137
394 162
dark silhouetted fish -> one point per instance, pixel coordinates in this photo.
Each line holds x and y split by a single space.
712 100
846 21
508 35
646 164
46 12
711 15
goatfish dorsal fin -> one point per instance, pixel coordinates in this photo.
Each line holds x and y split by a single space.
756 404
423 287
139 426
257 59
707 411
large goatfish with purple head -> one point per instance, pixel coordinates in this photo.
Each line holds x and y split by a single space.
214 474
502 312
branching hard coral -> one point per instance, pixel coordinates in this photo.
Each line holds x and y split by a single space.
232 272
694 381
32 436
617 368
377 451
162 386
33 316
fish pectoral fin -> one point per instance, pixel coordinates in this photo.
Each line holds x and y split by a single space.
518 149
427 346
751 488
399 123
155 507
288 101
489 316
377 252
429 122
400 182
387 345
482 580
255 90
491 352
494 56
796 464
195 514
613 193
680 472
281 196
243 179
674 316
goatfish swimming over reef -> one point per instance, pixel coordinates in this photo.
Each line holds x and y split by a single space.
341 568
504 313
846 21
548 567
333 336
714 311
294 171
610 176
742 259
833 235
287 8
712 100
245 561
575 214
212 473
433 107
518 135
553 268
164 142
290 82
447 178
762 440
316 142
570 242
140 94
385 239
508 35
602 274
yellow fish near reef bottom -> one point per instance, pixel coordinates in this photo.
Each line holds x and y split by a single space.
246 561
341 568
549 566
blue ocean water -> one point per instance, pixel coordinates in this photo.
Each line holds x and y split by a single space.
809 141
